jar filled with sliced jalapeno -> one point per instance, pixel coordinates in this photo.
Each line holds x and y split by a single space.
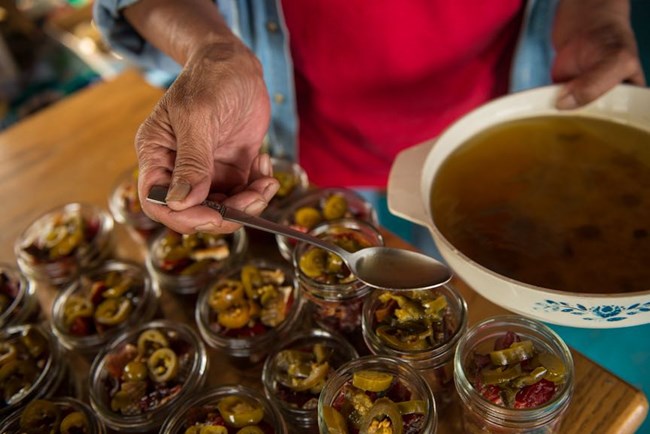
18 302
53 415
224 410
184 264
30 366
322 206
124 204
421 327
250 309
145 373
376 394
513 375
64 242
294 374
334 296
96 307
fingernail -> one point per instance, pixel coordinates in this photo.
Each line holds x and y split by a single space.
255 208
270 190
266 168
566 101
207 227
178 190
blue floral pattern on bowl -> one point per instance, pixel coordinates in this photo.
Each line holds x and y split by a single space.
609 313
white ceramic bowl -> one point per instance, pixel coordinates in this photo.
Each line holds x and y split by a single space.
409 189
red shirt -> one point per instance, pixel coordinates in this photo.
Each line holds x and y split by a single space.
374 77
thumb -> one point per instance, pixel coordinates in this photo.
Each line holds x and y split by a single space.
191 177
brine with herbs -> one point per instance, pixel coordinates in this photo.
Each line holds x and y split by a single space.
516 373
147 374
250 303
374 402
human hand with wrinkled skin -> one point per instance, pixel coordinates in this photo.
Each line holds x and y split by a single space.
595 50
203 138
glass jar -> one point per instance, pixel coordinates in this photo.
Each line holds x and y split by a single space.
248 311
30 366
101 304
513 375
65 415
370 387
124 204
293 183
420 327
18 302
184 264
320 206
334 297
145 373
219 405
294 374
63 242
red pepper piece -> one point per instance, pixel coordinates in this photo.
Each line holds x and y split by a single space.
80 326
535 394
492 393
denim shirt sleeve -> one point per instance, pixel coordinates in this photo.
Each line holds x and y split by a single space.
534 54
260 25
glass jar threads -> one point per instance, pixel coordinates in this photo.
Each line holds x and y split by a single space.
185 263
421 327
334 296
63 242
30 366
146 373
18 303
102 303
294 375
226 409
376 393
513 375
248 311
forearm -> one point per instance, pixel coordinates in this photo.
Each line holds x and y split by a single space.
180 28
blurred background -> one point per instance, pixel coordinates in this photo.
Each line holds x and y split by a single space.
50 49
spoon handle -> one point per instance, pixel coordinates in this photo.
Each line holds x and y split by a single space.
158 194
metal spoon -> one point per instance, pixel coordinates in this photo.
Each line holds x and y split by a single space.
380 267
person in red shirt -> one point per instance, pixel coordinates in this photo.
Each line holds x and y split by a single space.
371 79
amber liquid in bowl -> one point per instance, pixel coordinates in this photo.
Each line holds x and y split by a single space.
558 202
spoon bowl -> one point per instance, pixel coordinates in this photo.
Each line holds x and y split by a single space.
381 267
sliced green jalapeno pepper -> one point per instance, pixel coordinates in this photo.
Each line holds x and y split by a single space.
334 421
163 365
151 340
372 381
383 414
225 294
40 417
517 352
74 423
77 306
113 311
335 207
239 412
250 430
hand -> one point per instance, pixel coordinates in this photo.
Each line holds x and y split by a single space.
203 138
595 50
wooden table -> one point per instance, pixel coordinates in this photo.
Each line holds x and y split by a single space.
74 152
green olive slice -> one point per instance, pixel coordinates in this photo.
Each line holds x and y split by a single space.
163 365
151 340
8 352
239 412
113 311
75 423
372 381
40 417
517 352
334 420
384 414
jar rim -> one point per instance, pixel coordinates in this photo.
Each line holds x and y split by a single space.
25 291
